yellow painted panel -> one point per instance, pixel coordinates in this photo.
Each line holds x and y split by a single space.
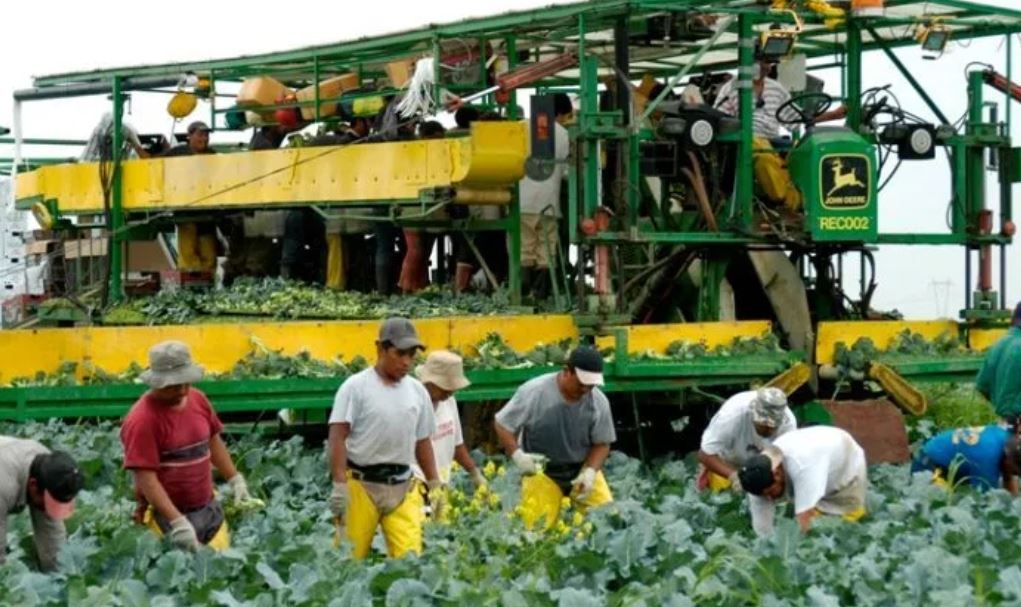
659 337
494 151
218 347
882 332
520 332
493 156
983 339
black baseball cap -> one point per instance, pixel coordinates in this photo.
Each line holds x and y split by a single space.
587 364
60 479
197 126
757 474
401 333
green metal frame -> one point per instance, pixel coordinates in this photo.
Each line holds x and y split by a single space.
26 403
551 30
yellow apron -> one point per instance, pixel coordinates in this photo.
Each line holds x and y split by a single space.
541 498
402 525
220 541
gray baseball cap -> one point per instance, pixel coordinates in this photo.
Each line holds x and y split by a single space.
401 333
170 364
769 407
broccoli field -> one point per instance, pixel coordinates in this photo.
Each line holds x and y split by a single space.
660 543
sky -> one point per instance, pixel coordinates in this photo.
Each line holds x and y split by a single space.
921 282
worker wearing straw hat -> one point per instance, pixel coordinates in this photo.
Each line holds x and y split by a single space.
443 375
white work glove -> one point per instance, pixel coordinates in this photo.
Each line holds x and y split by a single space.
242 498
528 463
584 482
437 498
182 534
479 479
339 499
735 482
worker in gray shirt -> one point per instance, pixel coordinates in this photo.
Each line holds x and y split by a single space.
30 475
565 429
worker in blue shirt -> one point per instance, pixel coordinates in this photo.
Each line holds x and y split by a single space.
999 380
981 455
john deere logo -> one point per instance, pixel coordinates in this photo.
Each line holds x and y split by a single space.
845 182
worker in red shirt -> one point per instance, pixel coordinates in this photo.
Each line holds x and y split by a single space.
171 439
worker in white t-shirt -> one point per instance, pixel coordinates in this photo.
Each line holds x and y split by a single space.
745 425
821 469
380 425
443 375
540 209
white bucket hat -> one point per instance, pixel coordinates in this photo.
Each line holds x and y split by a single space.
443 369
170 365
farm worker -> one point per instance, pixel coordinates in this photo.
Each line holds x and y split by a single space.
540 209
381 423
443 375
769 96
999 380
196 241
564 419
822 469
745 425
172 441
47 482
981 455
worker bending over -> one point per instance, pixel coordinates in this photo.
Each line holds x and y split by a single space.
821 469
381 423
999 380
46 483
172 441
981 456
443 375
564 419
745 425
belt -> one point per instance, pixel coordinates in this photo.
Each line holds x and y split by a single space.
563 473
387 474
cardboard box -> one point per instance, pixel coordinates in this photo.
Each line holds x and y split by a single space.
328 89
399 72
262 90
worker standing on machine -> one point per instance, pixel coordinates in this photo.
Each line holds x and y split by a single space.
745 425
999 380
982 456
171 438
770 97
565 428
443 375
381 423
540 209
821 469
196 240
345 238
46 482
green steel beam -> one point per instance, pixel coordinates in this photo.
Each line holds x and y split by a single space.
253 395
38 141
852 75
744 191
984 9
389 45
117 236
907 75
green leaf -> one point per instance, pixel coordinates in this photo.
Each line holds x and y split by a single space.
271 577
408 593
